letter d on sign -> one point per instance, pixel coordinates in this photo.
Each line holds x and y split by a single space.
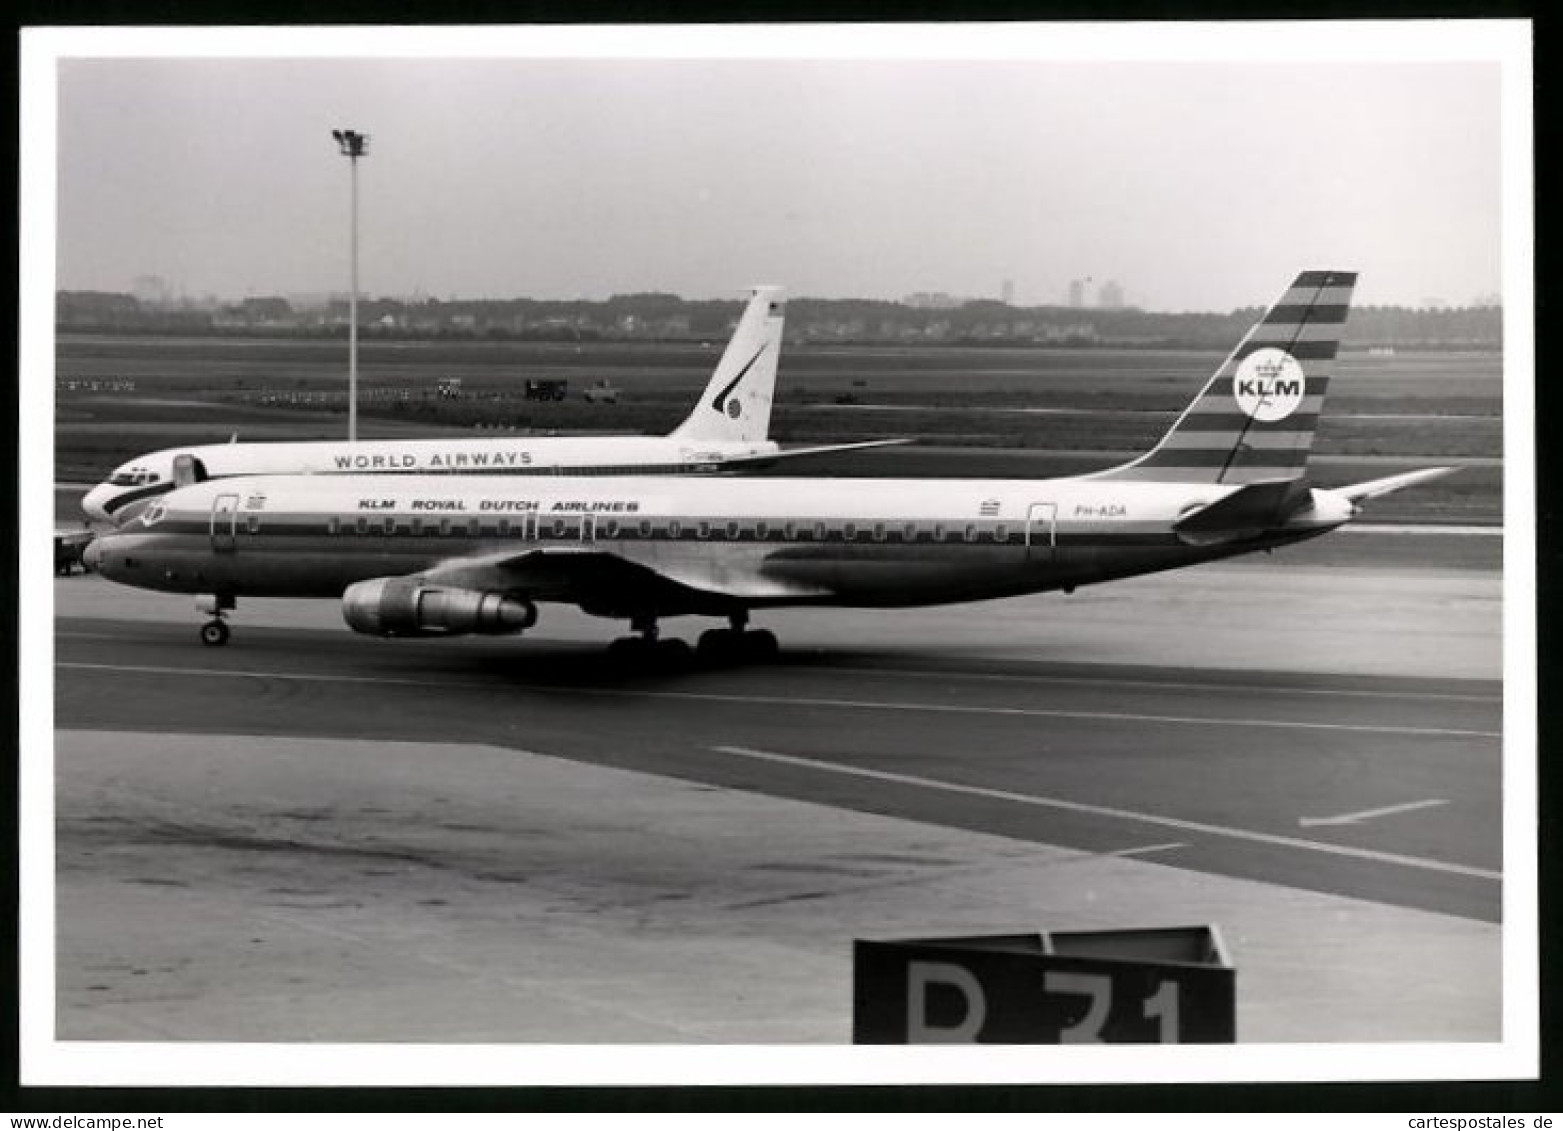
919 1028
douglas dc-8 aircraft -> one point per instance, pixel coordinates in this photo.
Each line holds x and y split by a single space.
425 556
726 431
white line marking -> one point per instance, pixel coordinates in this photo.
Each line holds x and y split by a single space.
1423 528
1146 850
1149 684
1068 680
1368 814
801 701
1121 814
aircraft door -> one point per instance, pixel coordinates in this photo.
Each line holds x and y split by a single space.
225 518
1041 531
588 528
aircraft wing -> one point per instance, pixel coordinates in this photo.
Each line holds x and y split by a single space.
607 583
792 453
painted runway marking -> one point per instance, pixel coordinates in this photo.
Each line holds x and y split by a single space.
1368 814
1146 850
1150 684
1067 680
799 701
1121 814
1423 528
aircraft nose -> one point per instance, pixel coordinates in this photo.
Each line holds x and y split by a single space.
92 505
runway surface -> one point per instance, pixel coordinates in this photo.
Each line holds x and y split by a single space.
1307 756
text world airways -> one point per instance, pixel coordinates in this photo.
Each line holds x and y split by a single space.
446 460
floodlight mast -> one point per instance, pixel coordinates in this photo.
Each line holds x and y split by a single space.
352 145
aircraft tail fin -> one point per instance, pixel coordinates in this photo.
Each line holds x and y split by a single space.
736 404
1255 419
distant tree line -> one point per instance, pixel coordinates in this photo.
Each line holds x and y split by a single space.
666 317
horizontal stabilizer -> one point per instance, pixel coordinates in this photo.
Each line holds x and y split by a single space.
1246 513
1373 488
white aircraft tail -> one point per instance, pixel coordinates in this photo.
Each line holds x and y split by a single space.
1254 421
736 405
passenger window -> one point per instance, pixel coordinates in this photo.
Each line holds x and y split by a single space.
733 530
910 532
938 532
675 529
559 527
504 528
613 528
472 527
389 524
819 531
444 526
645 528
1001 533
879 532
849 531
334 526
703 530
790 531
971 532
363 525
253 521
761 530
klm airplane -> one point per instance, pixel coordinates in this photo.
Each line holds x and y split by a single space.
443 556
725 431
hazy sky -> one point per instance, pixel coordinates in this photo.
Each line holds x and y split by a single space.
1194 185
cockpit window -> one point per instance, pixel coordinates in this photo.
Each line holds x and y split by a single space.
154 513
133 478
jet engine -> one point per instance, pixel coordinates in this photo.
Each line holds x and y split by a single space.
402 606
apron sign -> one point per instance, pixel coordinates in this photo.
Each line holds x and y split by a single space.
1162 985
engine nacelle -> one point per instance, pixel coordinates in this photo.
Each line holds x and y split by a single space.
402 606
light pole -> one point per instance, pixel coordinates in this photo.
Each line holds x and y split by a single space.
353 145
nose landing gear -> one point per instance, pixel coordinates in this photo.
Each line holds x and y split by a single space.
214 633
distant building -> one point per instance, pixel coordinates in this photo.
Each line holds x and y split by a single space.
1111 296
151 290
1007 292
1078 291
931 300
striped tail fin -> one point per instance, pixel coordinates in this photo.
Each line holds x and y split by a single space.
1254 420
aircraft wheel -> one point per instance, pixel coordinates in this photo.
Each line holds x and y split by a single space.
674 651
214 633
760 645
717 645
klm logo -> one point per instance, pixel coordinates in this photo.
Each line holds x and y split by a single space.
1269 385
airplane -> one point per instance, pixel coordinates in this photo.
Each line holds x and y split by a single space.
429 556
725 432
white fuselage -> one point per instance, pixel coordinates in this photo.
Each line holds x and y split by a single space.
722 541
152 475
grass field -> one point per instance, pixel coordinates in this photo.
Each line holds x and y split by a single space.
973 411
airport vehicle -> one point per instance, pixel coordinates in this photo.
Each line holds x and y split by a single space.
426 556
725 431
546 389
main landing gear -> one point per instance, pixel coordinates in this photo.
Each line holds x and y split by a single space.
648 645
214 633
735 644
738 643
